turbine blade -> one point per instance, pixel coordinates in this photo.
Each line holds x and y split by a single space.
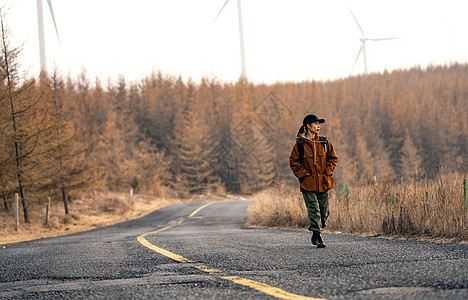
53 18
220 10
241 39
357 57
40 27
384 39
360 28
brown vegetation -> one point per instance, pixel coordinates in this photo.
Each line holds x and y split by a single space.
433 208
91 210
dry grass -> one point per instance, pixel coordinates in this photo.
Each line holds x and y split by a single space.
401 210
92 210
281 206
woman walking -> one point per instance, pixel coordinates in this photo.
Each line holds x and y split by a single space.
313 161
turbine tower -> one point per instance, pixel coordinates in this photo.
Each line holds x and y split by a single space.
241 36
363 41
40 27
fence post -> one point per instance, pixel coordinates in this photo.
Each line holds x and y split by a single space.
16 212
464 191
47 211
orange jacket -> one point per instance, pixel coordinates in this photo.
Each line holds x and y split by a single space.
315 174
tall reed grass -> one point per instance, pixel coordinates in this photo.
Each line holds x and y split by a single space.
433 208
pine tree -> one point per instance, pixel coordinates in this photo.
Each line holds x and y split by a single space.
364 162
158 106
346 167
7 154
411 161
191 157
19 105
192 147
257 169
381 160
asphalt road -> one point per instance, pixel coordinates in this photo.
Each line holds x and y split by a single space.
203 251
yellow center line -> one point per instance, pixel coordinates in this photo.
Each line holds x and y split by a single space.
162 251
259 286
265 288
198 209
206 269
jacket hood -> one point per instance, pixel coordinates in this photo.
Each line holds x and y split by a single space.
303 137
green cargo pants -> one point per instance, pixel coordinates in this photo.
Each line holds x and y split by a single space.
317 209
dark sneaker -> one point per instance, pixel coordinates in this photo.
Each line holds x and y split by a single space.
320 243
314 238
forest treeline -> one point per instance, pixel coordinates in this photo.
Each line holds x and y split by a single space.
166 136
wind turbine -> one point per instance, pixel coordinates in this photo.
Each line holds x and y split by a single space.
363 40
40 27
241 36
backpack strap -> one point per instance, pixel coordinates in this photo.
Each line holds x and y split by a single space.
300 148
325 143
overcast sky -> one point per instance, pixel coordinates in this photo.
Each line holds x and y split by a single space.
285 40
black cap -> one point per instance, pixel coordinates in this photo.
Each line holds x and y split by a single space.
312 119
